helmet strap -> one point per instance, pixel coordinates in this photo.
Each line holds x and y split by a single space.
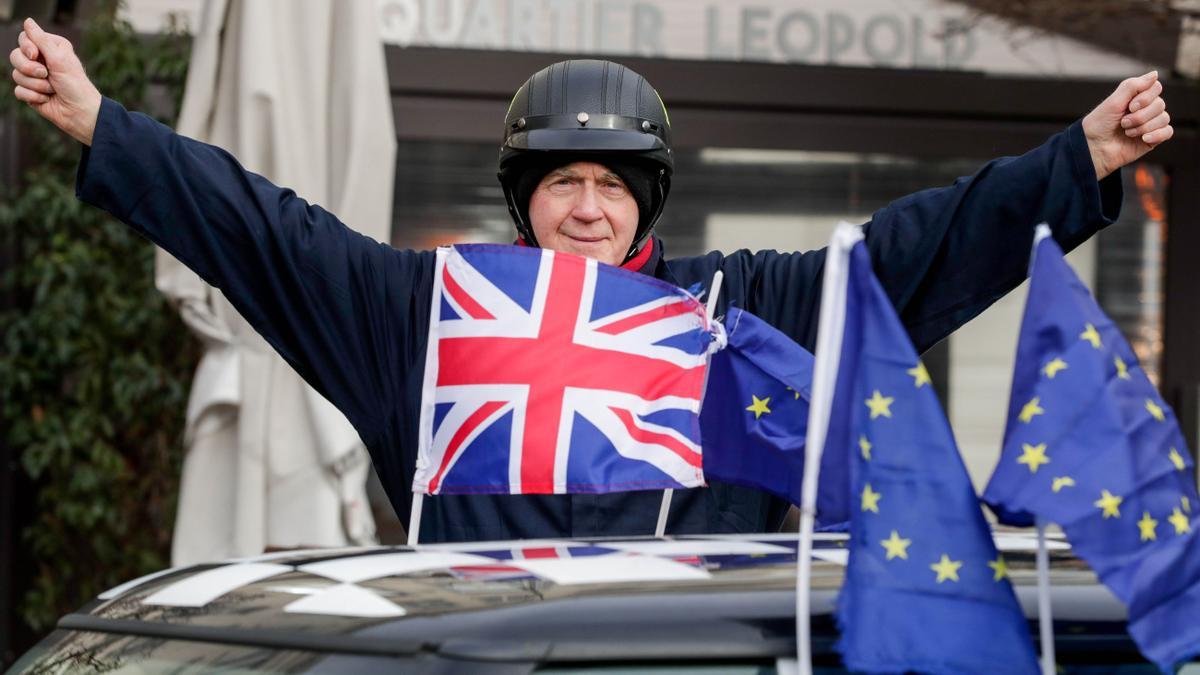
661 185
524 229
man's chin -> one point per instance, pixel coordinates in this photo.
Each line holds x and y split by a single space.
597 250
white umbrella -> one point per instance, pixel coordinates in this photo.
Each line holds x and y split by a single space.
297 90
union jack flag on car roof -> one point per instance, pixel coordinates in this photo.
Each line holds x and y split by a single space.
551 373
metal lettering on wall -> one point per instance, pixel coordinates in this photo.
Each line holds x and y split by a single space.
892 33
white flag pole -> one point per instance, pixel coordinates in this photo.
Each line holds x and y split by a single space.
828 354
426 463
664 509
1045 619
414 519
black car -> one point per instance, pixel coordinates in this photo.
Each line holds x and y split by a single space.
680 605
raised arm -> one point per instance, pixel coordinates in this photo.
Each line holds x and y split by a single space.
946 254
328 299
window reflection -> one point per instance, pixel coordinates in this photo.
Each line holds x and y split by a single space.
1129 280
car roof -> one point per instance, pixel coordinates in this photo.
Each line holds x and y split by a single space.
568 599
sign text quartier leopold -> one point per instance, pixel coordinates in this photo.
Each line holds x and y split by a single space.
897 34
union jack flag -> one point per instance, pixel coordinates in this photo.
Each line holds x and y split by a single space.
551 373
496 572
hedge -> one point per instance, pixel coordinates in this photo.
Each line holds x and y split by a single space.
95 365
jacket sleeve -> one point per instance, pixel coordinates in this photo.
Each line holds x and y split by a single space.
945 255
327 298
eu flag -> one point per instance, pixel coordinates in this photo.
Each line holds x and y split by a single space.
755 412
1090 445
925 587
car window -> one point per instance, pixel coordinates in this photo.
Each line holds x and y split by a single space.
85 651
667 668
747 667
80 651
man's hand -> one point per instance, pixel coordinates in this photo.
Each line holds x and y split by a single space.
52 81
1127 124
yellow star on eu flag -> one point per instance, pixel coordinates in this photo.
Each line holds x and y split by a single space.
1180 522
759 406
1033 456
1030 410
896 546
920 375
999 568
1146 526
1122 369
1110 504
1061 482
1051 369
946 568
1177 459
865 446
880 405
1155 410
870 499
1091 336
794 392
1187 504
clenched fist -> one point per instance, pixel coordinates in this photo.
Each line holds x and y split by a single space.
52 81
1127 124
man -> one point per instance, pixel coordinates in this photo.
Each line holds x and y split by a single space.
585 167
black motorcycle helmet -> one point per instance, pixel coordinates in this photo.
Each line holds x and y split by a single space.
592 110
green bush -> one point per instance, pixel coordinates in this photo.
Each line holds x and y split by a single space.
95 365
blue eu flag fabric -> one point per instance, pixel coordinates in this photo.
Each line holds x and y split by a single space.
755 412
1090 445
925 587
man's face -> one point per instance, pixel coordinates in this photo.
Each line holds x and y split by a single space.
585 209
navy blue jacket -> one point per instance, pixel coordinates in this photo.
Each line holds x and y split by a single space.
351 314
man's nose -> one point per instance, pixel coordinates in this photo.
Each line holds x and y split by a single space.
587 206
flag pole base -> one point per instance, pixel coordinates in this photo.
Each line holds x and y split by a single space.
665 508
1045 620
414 519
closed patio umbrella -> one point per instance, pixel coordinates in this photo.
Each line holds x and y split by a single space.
297 90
